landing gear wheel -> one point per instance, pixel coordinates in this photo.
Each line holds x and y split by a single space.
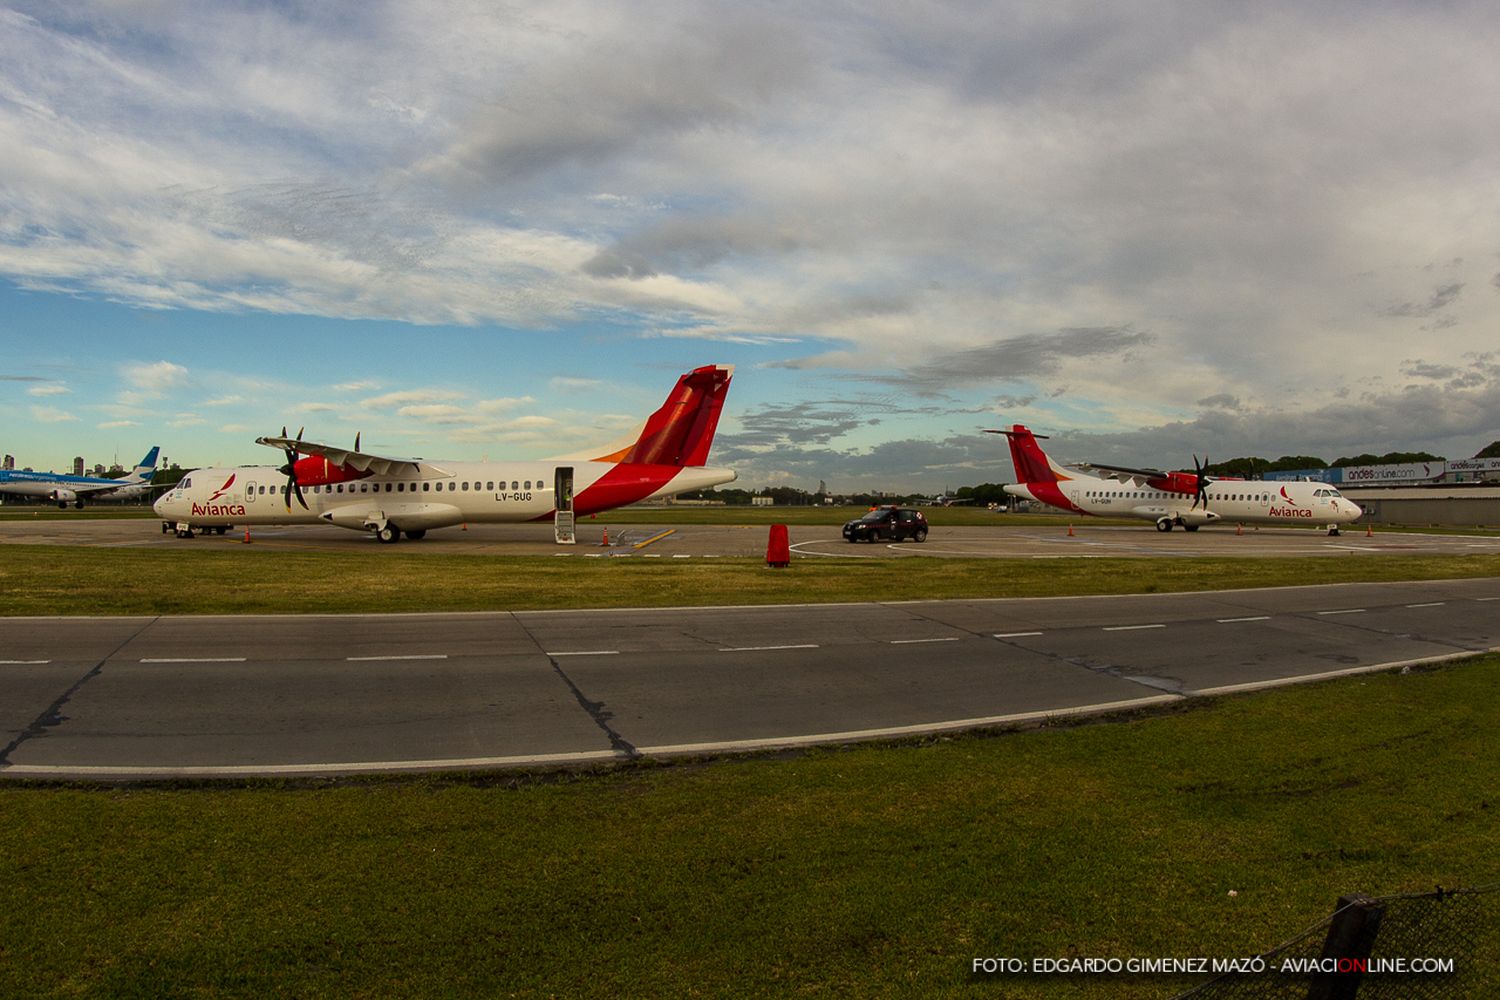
389 534
1165 524
417 535
921 535
1190 527
1333 531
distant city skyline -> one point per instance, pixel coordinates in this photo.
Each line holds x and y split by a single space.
1150 231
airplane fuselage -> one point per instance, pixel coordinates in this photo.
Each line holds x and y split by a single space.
1235 501
440 494
49 485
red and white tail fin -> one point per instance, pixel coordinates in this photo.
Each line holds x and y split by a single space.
1032 464
681 431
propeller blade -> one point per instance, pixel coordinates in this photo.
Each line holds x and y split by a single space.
356 440
1203 480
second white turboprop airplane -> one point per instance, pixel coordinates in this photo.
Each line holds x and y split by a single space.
1163 497
394 496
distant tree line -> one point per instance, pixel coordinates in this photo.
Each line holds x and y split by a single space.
1251 466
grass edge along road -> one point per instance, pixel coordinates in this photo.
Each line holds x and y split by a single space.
65 580
1215 830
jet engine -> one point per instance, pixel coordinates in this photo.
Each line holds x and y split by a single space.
64 497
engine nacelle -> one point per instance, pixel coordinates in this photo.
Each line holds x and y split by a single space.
62 496
315 470
1197 517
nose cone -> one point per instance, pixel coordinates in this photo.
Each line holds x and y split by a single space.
162 506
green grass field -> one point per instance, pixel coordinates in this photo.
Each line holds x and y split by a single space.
876 871
44 580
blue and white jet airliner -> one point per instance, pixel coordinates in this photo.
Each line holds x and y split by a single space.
63 490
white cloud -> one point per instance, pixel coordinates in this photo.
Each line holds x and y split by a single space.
51 415
149 381
112 424
48 390
409 396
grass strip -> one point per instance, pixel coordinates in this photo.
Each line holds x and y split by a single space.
46 580
873 871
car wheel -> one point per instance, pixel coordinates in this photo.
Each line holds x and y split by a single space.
921 535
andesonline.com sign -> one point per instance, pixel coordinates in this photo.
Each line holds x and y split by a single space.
1406 472
1355 475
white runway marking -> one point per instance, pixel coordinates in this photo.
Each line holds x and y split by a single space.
755 649
1250 618
409 656
1346 611
1013 635
1129 628
908 642
21 662
192 659
1430 604
584 652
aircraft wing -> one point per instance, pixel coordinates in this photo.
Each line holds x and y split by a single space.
380 465
93 489
1139 476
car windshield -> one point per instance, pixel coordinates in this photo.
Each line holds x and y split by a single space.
876 515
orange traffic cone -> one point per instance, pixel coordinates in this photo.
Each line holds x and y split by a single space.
247 535
465 527
1369 529
1070 531
1239 529
606 536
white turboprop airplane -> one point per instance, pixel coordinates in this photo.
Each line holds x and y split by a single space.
63 490
1164 497
394 496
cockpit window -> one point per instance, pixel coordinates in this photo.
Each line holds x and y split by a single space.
186 484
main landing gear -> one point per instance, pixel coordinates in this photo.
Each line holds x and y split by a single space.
389 534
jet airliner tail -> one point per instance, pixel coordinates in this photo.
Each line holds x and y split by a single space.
142 473
681 431
1032 464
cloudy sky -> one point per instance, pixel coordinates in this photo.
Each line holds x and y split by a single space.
468 229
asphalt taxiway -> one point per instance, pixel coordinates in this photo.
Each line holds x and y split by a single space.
141 697
1007 539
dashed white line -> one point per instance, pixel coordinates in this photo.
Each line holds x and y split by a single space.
1429 604
1487 598
408 656
23 662
1129 628
192 659
756 649
584 652
908 642
1013 635
1251 618
1346 611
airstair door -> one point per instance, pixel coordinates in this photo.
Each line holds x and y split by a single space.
562 493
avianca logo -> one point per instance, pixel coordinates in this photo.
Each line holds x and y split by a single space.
223 489
1284 496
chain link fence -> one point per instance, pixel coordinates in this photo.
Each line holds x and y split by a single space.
1417 946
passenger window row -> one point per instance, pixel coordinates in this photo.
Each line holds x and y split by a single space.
402 487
